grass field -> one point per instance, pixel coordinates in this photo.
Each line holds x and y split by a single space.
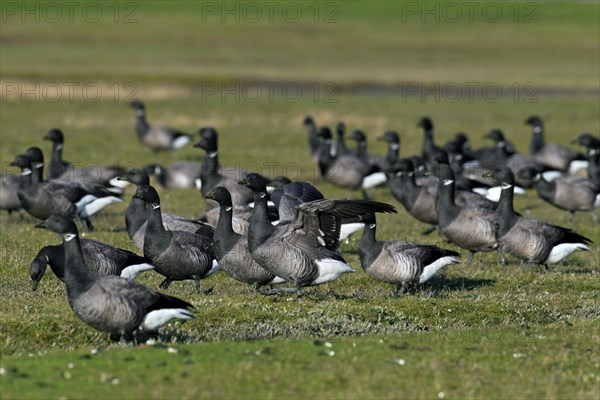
481 331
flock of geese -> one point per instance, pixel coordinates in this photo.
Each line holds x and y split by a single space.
266 231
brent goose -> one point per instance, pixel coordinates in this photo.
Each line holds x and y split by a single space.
178 175
301 252
529 239
157 137
398 262
123 307
177 255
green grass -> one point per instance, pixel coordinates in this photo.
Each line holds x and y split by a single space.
457 334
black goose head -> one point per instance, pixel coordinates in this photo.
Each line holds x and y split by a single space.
496 135
136 176
418 164
588 141
280 181
35 155
148 194
23 162
324 133
530 173
444 173
441 157
37 269
402 167
502 174
221 195
137 105
55 135
255 183
390 137
60 224
308 121
426 124
368 219
209 141
358 136
534 121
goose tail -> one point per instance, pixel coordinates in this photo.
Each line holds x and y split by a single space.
158 318
435 266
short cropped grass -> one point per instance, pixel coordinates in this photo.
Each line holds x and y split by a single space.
480 331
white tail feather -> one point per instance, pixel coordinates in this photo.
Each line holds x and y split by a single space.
563 250
330 270
373 180
277 280
435 266
551 175
133 271
93 207
180 142
578 165
157 318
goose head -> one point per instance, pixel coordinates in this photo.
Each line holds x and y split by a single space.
137 105
60 224
502 174
308 121
426 124
35 155
496 135
55 136
37 269
324 133
534 121
254 182
209 141
444 173
221 195
390 137
136 176
22 161
358 136
148 194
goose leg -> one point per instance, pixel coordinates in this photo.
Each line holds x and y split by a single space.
429 230
570 218
280 290
365 195
594 216
165 283
88 224
400 289
528 265
197 284
471 257
501 254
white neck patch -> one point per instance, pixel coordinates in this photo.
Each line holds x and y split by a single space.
155 206
537 129
156 170
38 165
26 171
506 186
372 226
213 154
394 146
262 195
140 113
228 208
59 147
68 236
399 173
448 182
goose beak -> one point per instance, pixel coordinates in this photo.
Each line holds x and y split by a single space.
41 225
121 178
46 137
243 182
210 195
34 285
487 174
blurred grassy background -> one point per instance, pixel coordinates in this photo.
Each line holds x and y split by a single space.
371 51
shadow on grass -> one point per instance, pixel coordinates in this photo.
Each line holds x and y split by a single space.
441 283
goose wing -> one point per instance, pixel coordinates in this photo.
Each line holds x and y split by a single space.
318 223
290 196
